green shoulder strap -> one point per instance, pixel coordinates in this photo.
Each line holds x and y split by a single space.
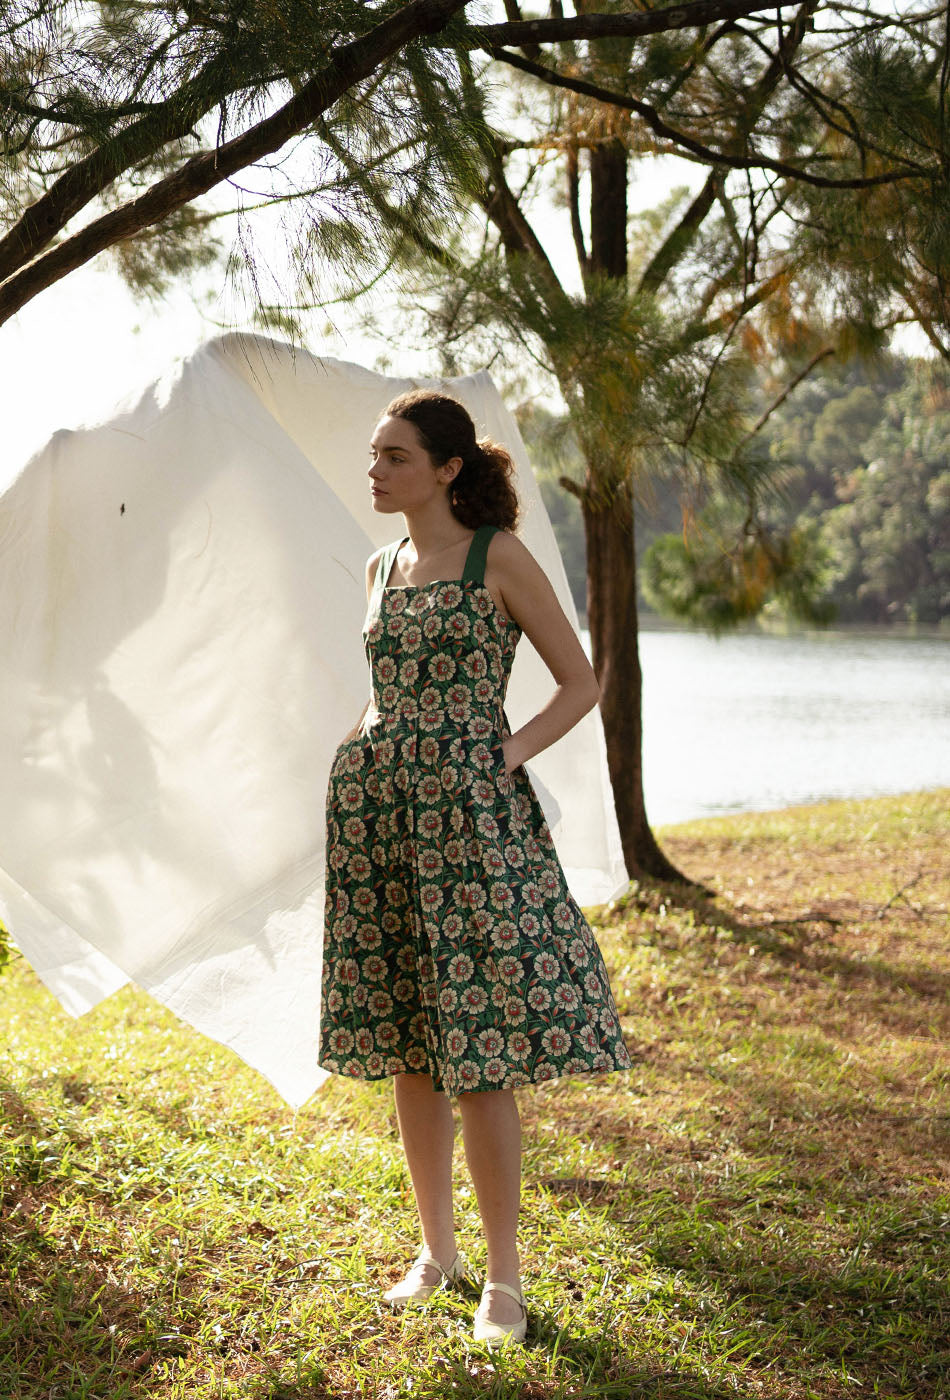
384 567
474 571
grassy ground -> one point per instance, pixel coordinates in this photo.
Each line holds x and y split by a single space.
760 1209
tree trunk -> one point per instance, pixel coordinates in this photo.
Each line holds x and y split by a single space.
612 619
607 507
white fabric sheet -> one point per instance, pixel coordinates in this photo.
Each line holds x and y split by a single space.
181 598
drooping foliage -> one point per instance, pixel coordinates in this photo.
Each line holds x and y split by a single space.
135 110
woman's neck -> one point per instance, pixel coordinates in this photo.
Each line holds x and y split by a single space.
434 532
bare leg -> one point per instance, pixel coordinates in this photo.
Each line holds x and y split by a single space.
427 1129
492 1133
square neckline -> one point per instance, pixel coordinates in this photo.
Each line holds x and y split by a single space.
415 587
461 582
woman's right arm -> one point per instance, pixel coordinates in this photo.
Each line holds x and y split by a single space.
371 564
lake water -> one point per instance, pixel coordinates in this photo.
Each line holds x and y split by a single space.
754 721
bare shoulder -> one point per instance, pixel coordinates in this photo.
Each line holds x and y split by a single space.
520 585
512 559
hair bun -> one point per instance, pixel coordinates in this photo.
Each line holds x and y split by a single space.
483 493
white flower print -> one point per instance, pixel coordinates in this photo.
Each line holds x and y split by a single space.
546 967
359 867
556 1041
432 898
430 862
510 969
490 1042
504 935
468 1074
368 937
429 751
430 788
577 952
380 1002
539 998
515 1012
442 668
474 999
460 968
374 968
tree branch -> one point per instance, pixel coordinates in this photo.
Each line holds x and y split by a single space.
517 235
675 244
609 26
706 153
726 319
168 121
351 63
574 201
793 384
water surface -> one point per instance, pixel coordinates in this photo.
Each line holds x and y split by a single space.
753 721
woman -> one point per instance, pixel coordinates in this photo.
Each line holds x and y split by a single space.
455 959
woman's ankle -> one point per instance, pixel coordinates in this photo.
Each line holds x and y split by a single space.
504 1268
443 1248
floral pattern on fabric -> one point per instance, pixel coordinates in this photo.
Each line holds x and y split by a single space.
452 945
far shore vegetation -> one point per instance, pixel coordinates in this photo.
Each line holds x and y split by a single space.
761 1208
860 459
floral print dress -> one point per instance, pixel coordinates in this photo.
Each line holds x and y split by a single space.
452 946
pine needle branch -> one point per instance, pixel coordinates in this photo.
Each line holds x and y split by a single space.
706 153
347 65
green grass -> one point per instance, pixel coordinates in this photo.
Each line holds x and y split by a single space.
759 1209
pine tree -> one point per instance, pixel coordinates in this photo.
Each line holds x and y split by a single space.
778 259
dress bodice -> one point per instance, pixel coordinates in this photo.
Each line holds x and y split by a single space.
441 650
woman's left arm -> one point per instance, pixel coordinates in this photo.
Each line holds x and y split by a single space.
530 600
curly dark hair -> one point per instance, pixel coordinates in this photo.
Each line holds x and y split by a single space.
483 492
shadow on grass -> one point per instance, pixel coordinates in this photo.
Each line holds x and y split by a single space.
804 942
64 1318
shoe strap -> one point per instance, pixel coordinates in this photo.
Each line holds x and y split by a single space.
427 1257
504 1288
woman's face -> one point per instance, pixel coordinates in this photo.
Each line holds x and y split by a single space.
402 474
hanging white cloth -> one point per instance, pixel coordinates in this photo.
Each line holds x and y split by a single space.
181 598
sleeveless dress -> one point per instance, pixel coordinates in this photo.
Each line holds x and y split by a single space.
452 945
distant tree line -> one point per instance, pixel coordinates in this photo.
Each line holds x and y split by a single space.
860 473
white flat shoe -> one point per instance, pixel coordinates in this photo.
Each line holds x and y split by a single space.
497 1333
413 1288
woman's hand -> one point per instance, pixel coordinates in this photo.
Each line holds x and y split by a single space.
509 747
358 727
